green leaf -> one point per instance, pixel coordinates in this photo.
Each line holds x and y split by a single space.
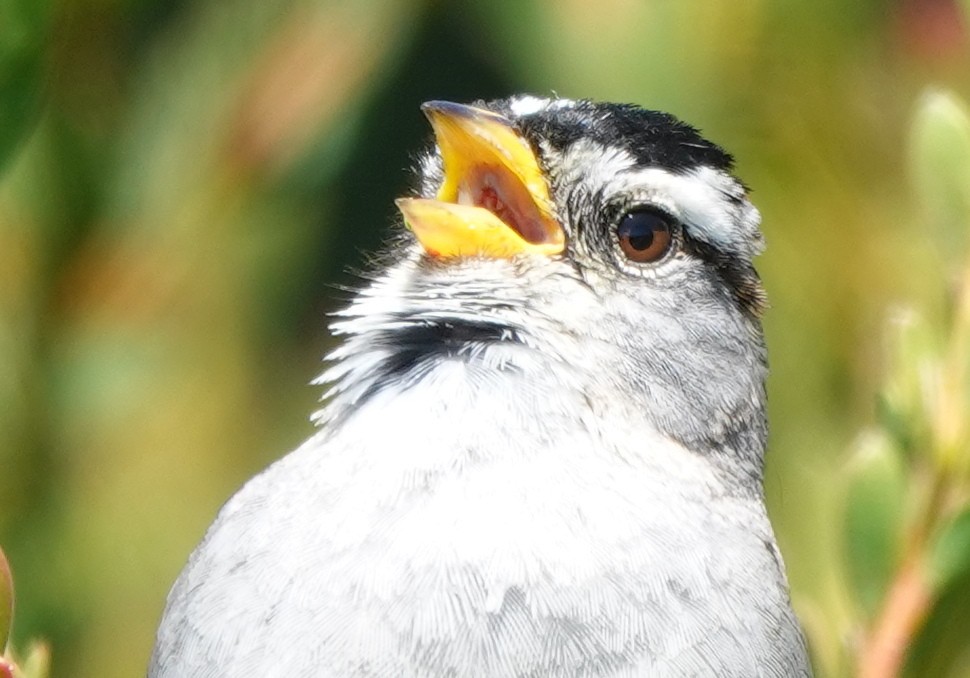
873 517
950 555
913 358
37 662
940 166
6 601
23 25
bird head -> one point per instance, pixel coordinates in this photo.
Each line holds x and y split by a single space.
605 244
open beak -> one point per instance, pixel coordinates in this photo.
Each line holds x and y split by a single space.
494 201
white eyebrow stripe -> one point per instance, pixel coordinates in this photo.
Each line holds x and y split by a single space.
709 202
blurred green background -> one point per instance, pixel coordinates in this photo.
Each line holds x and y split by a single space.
185 184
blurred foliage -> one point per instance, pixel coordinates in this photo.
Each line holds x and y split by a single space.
183 186
22 37
907 536
36 662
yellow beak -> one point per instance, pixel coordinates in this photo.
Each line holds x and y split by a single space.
494 201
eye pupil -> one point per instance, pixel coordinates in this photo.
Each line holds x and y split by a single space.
642 241
645 235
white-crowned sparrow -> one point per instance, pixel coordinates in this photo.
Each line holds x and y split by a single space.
543 446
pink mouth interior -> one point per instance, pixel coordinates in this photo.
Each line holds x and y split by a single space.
501 193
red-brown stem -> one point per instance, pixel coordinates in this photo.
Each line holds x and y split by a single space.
905 609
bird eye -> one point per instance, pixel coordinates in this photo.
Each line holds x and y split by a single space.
645 235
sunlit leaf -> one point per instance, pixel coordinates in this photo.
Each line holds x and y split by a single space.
37 661
940 164
873 518
913 362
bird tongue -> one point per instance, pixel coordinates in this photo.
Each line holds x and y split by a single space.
496 190
494 201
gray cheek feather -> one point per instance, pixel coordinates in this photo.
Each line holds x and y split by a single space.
695 361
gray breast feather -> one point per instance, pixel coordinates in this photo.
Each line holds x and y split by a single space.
596 578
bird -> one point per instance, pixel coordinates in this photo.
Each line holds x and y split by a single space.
541 448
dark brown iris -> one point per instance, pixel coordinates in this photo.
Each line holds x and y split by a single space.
645 235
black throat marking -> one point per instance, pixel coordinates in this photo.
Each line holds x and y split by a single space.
418 345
